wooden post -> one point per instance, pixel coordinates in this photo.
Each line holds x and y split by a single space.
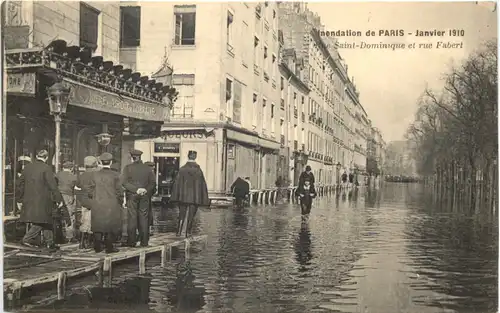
100 275
108 268
170 252
142 262
187 248
163 255
61 285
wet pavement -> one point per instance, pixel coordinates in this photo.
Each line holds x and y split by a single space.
377 251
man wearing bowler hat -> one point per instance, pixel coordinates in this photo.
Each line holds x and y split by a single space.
189 191
105 204
139 182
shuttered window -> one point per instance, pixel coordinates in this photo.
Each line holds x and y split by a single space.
89 26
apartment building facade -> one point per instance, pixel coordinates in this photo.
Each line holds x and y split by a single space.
293 105
224 59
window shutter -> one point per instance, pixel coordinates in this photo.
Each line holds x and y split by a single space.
237 103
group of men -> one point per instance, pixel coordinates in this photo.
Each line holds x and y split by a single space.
112 204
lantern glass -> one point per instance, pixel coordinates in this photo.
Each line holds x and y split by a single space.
58 98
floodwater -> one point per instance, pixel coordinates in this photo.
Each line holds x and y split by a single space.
371 251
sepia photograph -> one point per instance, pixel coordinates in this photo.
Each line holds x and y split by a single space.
250 157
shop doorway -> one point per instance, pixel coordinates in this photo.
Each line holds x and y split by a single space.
166 171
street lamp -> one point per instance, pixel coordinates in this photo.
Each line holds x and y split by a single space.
58 103
338 174
104 139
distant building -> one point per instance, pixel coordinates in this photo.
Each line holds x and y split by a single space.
224 58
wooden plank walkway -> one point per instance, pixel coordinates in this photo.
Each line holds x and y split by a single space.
71 262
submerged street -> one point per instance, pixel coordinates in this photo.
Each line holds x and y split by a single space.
387 250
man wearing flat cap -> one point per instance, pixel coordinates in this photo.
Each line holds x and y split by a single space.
38 191
138 181
66 182
106 205
189 191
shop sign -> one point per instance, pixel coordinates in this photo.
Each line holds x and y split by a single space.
100 100
187 134
21 83
166 147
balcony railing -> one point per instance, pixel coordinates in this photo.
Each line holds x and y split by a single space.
303 117
282 140
282 104
295 112
295 145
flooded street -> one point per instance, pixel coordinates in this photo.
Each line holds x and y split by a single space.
379 251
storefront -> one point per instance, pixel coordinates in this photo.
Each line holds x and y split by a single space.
100 98
224 154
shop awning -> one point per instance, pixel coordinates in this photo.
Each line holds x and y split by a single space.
95 83
253 140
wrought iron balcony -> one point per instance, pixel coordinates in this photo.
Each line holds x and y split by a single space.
295 145
282 104
295 112
303 117
282 140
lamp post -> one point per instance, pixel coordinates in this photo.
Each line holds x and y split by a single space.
338 174
58 103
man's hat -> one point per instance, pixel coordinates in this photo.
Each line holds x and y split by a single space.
42 154
24 158
68 164
90 161
105 157
308 168
150 164
192 154
135 152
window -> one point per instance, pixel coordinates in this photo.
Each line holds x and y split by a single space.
272 118
255 102
185 25
282 83
265 57
273 64
256 51
184 84
229 28
264 115
89 26
245 49
229 97
130 28
274 14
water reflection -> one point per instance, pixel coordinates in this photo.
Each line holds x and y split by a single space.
303 250
186 296
398 251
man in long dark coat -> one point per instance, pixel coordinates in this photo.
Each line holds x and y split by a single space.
105 205
138 181
306 175
189 191
39 196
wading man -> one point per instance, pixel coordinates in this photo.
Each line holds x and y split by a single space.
139 182
189 191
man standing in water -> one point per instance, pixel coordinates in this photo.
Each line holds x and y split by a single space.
189 191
